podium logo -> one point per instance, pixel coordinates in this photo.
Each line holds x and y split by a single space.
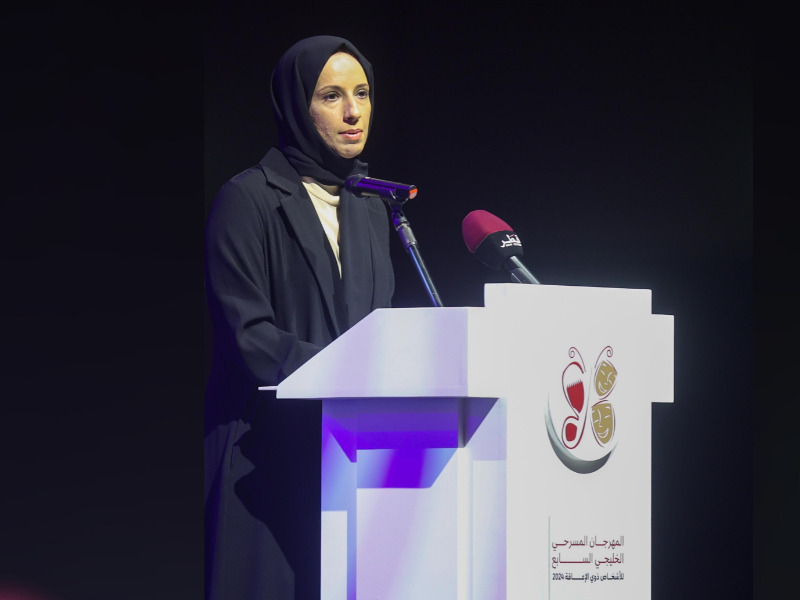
580 420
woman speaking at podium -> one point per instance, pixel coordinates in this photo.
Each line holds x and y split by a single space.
292 260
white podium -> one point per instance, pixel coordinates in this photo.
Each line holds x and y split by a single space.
491 453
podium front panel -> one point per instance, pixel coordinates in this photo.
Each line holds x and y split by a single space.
508 458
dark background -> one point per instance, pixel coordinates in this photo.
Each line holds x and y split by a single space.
616 139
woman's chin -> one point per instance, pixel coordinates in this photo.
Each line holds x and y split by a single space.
349 151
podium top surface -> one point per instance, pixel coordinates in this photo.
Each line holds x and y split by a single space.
449 352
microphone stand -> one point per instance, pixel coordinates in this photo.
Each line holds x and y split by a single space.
518 271
403 229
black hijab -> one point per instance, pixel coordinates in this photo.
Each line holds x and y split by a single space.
292 86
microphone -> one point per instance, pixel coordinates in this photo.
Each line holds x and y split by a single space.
495 244
361 186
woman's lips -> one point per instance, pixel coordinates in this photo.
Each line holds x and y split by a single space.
352 134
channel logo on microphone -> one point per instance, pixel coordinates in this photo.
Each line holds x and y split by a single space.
511 239
581 422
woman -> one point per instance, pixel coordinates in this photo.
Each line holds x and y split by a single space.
292 261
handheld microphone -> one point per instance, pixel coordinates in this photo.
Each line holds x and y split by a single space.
361 186
495 244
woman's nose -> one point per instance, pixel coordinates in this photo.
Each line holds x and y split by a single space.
352 112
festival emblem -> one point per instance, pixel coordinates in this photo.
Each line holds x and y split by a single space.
581 422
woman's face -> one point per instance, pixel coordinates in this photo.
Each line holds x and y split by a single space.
340 106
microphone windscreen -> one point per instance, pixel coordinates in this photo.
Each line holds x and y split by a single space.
490 239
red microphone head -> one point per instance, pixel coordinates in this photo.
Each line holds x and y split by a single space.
478 225
490 239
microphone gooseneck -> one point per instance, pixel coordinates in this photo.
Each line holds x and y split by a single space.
394 195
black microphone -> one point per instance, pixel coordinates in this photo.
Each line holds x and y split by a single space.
495 244
361 186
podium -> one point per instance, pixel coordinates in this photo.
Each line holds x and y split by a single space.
491 453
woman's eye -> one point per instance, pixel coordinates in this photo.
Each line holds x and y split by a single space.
330 96
362 94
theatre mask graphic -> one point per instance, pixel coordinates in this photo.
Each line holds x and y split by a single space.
581 422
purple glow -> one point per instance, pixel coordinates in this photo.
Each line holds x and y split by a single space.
401 468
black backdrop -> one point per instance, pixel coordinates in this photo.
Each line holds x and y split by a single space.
616 139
